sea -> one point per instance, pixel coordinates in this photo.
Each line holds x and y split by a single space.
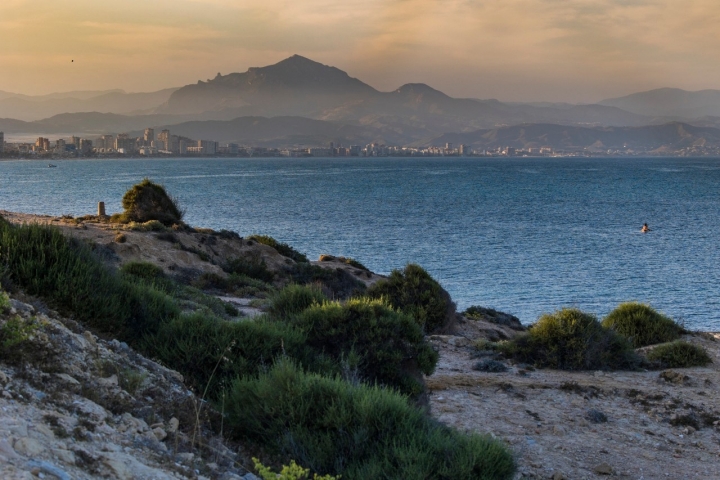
526 236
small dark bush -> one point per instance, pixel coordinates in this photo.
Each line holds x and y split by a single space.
337 283
149 201
228 234
475 312
389 346
294 299
596 416
252 267
679 354
642 324
282 248
144 270
350 261
489 365
240 285
359 432
570 339
167 237
416 293
211 281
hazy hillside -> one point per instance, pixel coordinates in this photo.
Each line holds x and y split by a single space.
670 102
298 86
24 107
284 132
86 123
671 135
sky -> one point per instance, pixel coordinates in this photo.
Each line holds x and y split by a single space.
578 51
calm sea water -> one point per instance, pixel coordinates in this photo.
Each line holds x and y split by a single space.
525 236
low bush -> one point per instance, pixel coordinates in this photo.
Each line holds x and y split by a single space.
148 201
386 346
350 261
288 472
679 354
239 285
282 248
253 267
476 312
294 299
336 282
416 293
144 270
211 352
642 324
4 301
570 339
359 432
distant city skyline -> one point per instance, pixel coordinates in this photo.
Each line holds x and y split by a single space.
578 51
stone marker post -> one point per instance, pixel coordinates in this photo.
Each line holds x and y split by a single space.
101 209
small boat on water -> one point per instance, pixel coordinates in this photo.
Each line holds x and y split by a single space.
50 165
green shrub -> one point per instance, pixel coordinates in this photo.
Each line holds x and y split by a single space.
254 267
282 248
144 270
4 301
679 354
570 339
288 472
293 299
211 352
415 292
16 330
149 201
642 324
350 261
44 262
339 283
359 432
385 345
239 285
353 263
131 380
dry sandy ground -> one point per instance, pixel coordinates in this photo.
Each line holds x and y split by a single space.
659 424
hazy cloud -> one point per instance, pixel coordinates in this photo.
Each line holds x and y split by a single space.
575 50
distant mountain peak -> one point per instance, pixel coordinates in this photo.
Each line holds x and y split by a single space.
293 73
417 88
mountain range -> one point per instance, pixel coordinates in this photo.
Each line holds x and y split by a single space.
302 102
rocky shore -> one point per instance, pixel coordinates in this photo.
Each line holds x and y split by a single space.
79 406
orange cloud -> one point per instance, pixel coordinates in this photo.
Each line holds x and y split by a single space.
577 50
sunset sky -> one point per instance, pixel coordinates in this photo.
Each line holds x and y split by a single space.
513 50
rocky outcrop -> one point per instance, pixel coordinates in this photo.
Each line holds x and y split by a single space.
74 406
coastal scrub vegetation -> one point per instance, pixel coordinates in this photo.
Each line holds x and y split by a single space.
679 354
365 355
289 472
336 283
570 339
384 345
642 324
147 201
358 431
416 293
282 248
